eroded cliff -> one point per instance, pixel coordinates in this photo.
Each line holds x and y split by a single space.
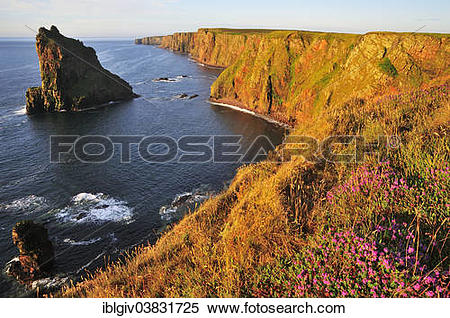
215 47
289 75
72 77
151 40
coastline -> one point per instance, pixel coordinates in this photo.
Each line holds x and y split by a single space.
220 102
193 59
269 119
190 57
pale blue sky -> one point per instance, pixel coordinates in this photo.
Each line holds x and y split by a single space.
122 18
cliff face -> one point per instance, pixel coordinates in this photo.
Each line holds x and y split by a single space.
207 46
151 40
72 77
290 75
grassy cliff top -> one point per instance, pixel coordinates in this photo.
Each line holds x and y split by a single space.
284 33
288 31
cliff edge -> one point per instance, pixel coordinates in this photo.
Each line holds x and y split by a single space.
72 77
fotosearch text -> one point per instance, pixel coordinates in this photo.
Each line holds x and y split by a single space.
217 148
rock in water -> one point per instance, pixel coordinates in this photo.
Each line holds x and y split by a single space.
36 253
50 284
72 77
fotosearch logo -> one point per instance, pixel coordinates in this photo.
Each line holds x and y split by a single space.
217 148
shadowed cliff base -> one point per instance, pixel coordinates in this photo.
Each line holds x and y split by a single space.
72 77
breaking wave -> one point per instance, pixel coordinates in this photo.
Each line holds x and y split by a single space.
21 111
81 243
185 202
28 204
95 208
170 79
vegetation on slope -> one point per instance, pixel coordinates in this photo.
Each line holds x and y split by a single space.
293 228
310 70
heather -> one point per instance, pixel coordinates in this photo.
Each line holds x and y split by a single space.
344 264
390 248
376 191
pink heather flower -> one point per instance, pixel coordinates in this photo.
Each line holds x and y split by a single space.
429 280
410 250
416 287
429 293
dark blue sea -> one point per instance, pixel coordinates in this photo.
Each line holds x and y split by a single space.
120 202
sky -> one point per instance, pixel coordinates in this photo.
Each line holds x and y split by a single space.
132 18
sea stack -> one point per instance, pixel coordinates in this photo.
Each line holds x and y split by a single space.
72 77
36 252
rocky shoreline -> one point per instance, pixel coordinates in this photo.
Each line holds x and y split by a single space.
185 202
243 109
33 267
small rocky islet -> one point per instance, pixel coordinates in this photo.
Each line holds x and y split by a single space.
72 77
33 267
36 252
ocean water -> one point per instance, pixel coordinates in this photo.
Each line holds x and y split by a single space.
119 202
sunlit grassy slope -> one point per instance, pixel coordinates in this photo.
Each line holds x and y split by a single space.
291 228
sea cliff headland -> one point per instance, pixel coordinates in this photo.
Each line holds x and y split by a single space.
72 77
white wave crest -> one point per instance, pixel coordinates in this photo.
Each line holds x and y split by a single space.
95 208
21 111
185 202
81 243
28 204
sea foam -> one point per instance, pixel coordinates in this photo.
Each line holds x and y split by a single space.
29 204
95 208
